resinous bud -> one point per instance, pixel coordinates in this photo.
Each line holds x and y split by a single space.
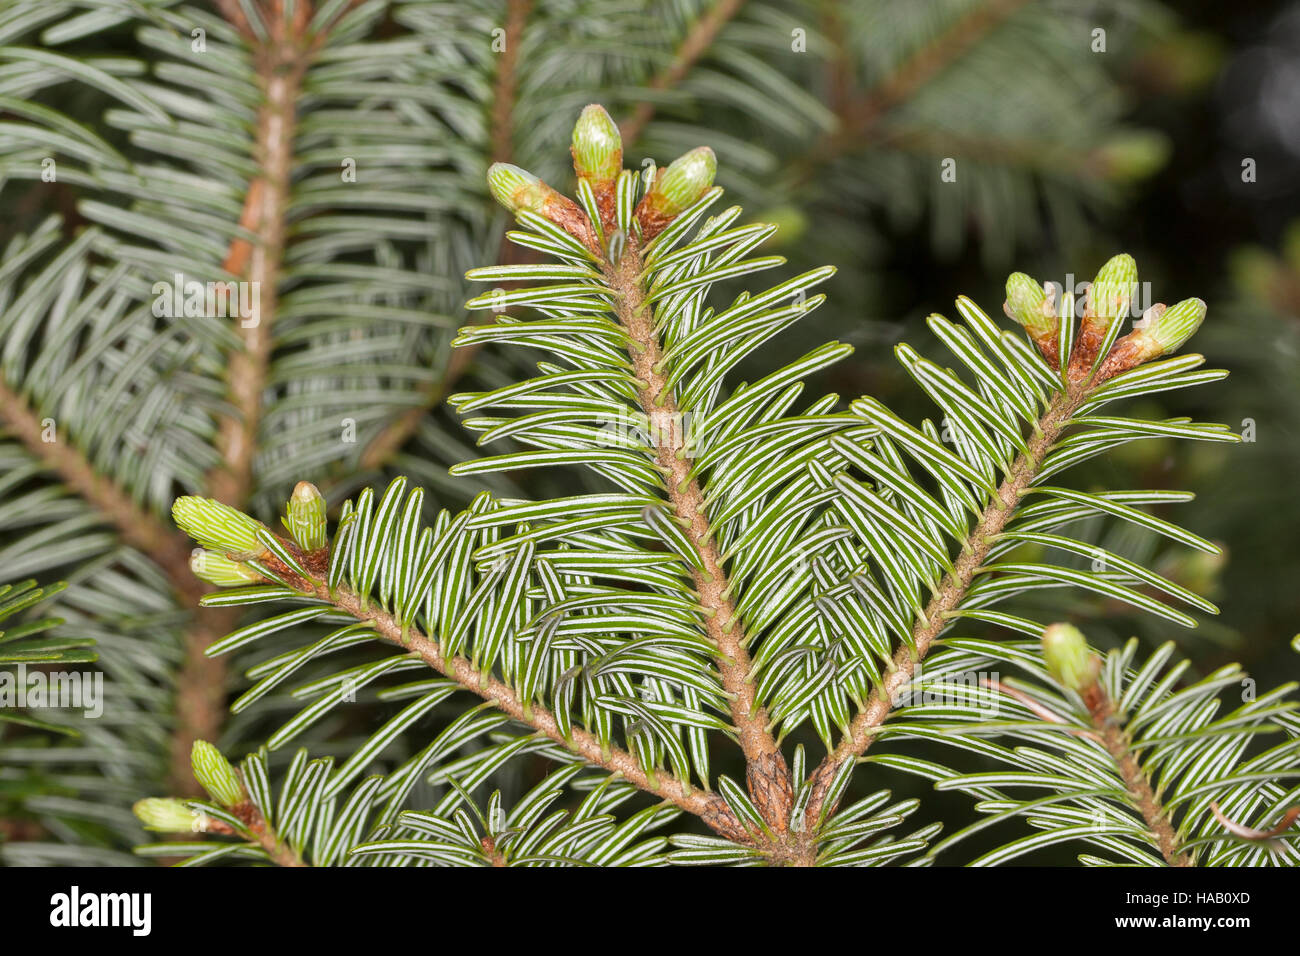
168 815
686 179
215 568
216 775
1176 324
517 189
1028 305
1112 291
305 517
597 146
1069 658
218 527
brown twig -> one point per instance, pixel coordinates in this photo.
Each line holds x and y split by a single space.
280 62
709 807
840 72
139 528
503 100
859 118
492 852
770 786
1115 740
281 853
394 435
693 46
951 592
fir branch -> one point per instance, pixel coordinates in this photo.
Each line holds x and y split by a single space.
695 44
840 73
1111 735
281 62
709 807
139 528
200 691
257 826
390 440
949 596
767 775
859 118
281 853
503 99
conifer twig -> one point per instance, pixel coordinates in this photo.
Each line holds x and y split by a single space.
394 435
709 807
503 99
280 61
767 775
861 115
139 528
1111 735
695 44
948 598
281 853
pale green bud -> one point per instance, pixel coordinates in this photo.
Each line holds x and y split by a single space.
1133 156
1028 305
1069 658
215 568
1171 329
1112 291
169 815
597 146
517 189
217 526
305 517
686 179
215 774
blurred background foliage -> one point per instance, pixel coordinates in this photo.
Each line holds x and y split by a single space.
836 119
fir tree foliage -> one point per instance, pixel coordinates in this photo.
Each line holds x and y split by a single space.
330 155
1124 756
762 570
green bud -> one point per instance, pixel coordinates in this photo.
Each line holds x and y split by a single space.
305 517
1133 156
217 526
791 226
215 774
1069 658
1170 329
1027 304
597 146
169 815
1255 272
686 179
215 568
517 189
1112 291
